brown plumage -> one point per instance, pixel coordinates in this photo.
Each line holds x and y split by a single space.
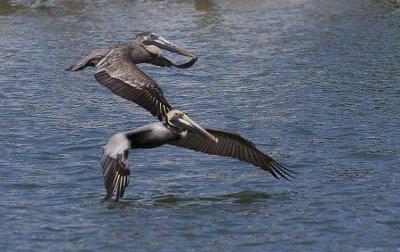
117 70
233 145
114 161
179 130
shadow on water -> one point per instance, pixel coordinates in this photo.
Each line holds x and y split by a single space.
242 197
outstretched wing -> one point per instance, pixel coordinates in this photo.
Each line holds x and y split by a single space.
90 60
125 79
116 165
233 145
164 62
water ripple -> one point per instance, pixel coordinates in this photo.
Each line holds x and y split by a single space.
313 84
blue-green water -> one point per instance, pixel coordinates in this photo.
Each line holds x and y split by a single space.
316 84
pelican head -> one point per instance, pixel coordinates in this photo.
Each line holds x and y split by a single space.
180 120
153 43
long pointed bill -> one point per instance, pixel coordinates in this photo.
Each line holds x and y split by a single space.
165 44
188 124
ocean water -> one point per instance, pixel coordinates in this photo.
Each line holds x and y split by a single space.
315 84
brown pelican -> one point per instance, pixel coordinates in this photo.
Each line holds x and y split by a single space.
117 70
179 130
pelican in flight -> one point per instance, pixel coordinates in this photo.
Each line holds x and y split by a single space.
179 130
117 70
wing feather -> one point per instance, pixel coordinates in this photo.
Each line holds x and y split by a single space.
114 162
120 75
90 60
233 145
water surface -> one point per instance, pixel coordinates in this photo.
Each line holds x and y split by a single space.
315 84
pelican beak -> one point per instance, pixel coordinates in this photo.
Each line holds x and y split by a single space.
165 44
188 124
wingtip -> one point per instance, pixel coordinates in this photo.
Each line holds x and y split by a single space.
187 64
285 172
72 68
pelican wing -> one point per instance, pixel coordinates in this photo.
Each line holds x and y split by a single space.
116 165
233 145
90 60
164 62
125 79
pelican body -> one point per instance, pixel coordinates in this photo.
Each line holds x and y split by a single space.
117 70
114 160
179 130
145 49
